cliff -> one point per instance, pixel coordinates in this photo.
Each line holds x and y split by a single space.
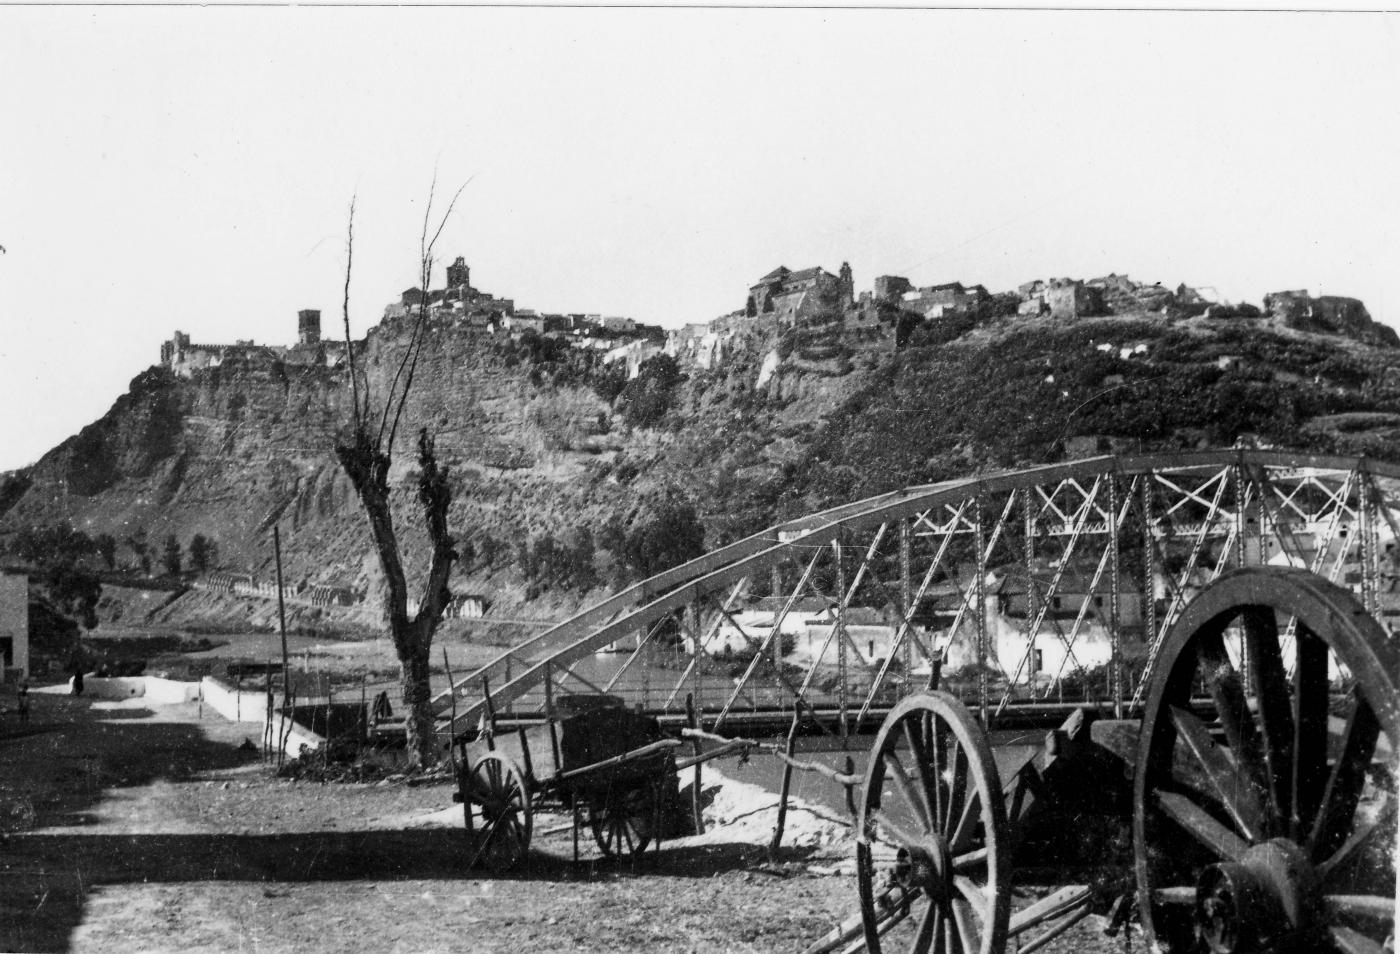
542 439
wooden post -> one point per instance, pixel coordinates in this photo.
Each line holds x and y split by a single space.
786 785
549 713
697 672
267 719
694 722
451 749
510 706
488 713
281 608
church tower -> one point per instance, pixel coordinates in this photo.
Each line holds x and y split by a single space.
309 326
848 286
458 274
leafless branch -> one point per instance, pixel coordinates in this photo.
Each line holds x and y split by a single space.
426 270
359 416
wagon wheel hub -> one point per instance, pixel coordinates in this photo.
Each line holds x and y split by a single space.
927 866
1262 902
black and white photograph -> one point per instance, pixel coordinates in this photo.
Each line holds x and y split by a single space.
699 478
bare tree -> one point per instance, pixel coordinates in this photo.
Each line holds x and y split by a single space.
365 451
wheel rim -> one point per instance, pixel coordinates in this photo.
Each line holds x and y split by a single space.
931 826
1269 826
623 823
494 793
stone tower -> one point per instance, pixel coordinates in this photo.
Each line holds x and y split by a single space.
458 274
848 285
309 326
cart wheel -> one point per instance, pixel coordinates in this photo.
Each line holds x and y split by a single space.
494 788
932 820
1264 800
624 823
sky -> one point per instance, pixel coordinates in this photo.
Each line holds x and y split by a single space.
191 168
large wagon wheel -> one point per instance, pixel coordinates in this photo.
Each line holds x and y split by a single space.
495 789
932 800
625 820
1275 831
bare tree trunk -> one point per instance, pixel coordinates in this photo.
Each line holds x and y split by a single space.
365 457
368 470
419 722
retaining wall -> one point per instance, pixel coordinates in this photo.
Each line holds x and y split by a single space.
232 704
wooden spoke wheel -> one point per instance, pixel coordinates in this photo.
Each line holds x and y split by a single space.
932 825
498 811
625 821
1264 802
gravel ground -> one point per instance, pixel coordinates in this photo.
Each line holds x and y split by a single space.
131 827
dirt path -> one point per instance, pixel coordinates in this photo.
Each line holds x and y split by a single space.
146 828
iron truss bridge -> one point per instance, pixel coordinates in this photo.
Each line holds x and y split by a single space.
1049 585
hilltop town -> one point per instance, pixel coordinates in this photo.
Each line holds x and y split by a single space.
809 299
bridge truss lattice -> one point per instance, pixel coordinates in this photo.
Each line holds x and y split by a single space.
1085 563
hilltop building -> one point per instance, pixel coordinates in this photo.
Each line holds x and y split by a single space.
935 301
184 357
802 296
1063 298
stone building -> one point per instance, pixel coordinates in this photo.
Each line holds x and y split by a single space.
309 326
935 301
14 626
1063 297
782 282
892 288
1073 299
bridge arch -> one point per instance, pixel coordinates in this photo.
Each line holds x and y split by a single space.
998 572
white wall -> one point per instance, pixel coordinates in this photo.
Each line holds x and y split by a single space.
233 705
14 618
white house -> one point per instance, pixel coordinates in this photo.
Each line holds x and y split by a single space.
14 625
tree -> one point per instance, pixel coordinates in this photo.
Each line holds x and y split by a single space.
669 539
52 545
142 548
364 449
204 553
56 553
171 557
648 396
106 546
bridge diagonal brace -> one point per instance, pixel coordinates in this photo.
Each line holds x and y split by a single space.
906 628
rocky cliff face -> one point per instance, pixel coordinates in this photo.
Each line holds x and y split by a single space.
537 444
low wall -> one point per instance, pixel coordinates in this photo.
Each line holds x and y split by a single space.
112 687
297 736
232 704
170 691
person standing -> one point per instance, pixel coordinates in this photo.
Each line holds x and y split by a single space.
24 702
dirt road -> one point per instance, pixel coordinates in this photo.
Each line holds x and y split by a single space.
145 828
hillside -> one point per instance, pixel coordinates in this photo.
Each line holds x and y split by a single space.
545 441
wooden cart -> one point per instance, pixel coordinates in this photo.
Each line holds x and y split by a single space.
611 768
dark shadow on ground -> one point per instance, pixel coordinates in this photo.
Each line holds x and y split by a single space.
70 758
65 759
44 879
